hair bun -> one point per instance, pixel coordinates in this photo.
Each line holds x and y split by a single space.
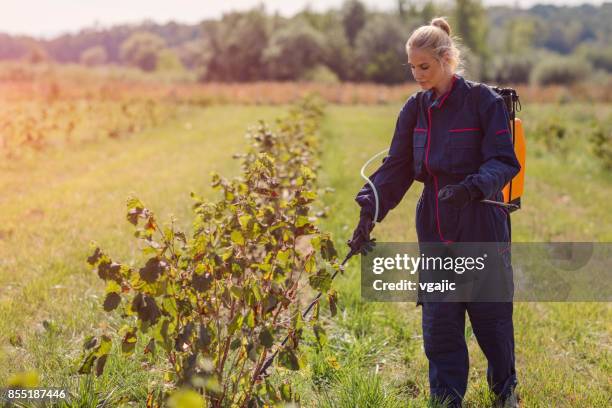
442 24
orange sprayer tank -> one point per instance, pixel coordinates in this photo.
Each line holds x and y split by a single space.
514 189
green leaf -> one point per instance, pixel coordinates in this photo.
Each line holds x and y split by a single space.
90 342
108 270
163 332
320 335
266 338
250 319
227 254
201 282
297 322
204 337
93 258
135 209
315 241
146 308
98 355
186 399
307 172
152 270
332 297
236 292
129 342
288 359
27 379
235 324
253 351
244 221
169 306
111 301
271 302
310 265
285 390
306 197
282 257
257 292
168 234
328 251
87 363
321 281
301 221
184 337
237 237
150 347
100 363
235 344
104 347
133 202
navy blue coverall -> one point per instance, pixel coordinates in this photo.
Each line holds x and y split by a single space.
463 137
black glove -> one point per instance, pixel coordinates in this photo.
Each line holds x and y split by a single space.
457 195
361 241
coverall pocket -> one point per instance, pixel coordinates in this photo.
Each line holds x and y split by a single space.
419 140
465 156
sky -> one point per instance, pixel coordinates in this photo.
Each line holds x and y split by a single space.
49 18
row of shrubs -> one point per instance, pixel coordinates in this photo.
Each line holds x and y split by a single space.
543 68
558 136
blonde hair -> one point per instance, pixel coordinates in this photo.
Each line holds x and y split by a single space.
436 38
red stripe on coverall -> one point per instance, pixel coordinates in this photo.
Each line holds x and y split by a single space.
463 130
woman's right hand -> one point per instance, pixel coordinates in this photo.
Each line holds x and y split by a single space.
361 236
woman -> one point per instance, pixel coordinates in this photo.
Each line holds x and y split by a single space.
454 137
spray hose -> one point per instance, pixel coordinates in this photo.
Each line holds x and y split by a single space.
366 178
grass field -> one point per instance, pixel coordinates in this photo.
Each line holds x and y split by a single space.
52 205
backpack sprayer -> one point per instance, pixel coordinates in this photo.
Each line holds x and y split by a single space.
514 189
512 193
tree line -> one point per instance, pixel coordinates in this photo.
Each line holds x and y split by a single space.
548 44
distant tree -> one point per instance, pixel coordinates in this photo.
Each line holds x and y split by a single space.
354 16
599 55
293 50
36 52
319 21
321 74
471 24
560 70
428 12
381 56
235 46
168 60
339 55
563 37
512 68
142 50
195 54
520 34
93 56
407 9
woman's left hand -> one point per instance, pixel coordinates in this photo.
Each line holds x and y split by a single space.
457 195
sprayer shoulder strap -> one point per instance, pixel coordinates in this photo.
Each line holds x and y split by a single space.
475 96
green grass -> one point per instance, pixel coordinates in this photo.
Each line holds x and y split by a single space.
53 205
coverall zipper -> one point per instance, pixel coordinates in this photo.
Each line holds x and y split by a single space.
427 158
